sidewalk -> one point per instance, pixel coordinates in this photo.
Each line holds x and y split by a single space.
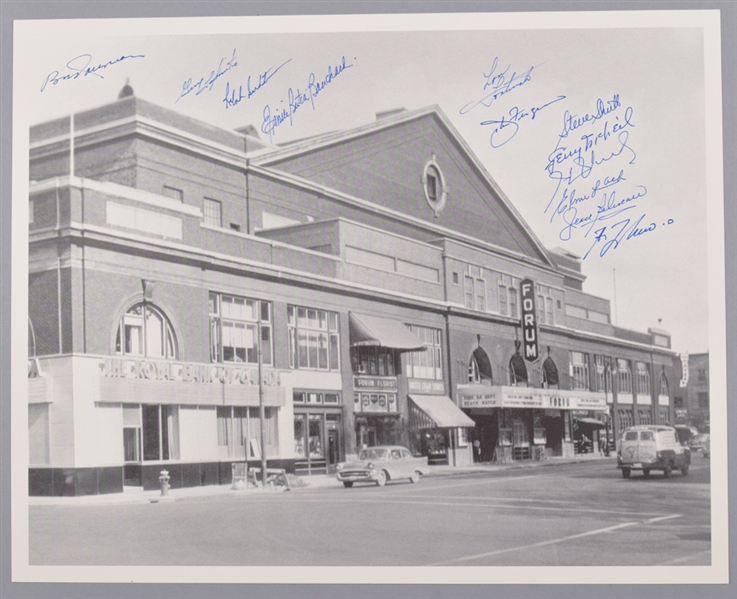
136 495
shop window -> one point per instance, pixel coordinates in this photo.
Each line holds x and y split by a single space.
232 425
643 378
271 432
160 426
624 376
234 326
579 370
376 361
314 340
145 331
426 364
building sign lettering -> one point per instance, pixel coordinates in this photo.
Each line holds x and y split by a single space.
155 370
426 386
374 382
529 322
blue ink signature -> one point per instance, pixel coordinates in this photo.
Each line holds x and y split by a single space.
566 163
231 99
608 208
507 128
500 83
79 65
297 98
571 122
620 231
206 83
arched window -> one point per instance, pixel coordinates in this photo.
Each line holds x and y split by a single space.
664 385
479 368
517 367
145 331
550 373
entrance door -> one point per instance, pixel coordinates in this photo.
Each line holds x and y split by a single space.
366 436
333 450
520 440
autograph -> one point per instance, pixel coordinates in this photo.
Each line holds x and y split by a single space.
79 67
500 83
507 128
296 98
231 99
621 231
206 83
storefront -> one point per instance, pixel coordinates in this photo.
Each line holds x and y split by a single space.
318 419
438 429
522 423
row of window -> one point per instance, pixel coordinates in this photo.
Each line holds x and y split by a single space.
237 324
479 295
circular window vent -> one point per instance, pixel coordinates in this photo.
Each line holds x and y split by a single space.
436 192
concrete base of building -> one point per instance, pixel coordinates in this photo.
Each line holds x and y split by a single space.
76 482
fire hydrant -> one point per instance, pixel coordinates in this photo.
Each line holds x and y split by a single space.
164 480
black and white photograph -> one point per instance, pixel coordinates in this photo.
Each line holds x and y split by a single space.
430 298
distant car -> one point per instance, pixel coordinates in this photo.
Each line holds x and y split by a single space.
381 464
650 447
698 442
706 449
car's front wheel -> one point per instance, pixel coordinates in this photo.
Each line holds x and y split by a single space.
415 477
347 484
381 478
626 472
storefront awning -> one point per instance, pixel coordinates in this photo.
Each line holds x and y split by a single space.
442 411
382 332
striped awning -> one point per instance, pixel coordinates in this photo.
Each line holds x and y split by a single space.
438 411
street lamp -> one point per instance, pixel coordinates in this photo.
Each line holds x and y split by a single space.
610 416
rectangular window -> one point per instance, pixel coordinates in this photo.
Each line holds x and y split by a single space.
643 379
480 295
579 370
468 291
603 374
513 302
173 193
213 212
234 325
426 364
502 300
377 361
624 376
314 340
271 438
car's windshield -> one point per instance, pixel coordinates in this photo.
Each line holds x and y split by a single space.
373 454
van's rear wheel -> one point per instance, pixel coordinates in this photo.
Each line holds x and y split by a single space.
668 471
626 472
684 470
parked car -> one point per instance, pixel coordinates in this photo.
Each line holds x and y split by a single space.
650 447
381 464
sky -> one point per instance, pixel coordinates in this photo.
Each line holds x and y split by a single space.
562 109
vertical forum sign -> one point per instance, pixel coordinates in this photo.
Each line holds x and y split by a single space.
529 320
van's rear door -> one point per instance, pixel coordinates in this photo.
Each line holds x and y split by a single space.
629 447
647 450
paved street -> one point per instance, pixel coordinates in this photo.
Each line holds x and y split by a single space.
564 515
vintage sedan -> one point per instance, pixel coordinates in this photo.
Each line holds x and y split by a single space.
381 464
